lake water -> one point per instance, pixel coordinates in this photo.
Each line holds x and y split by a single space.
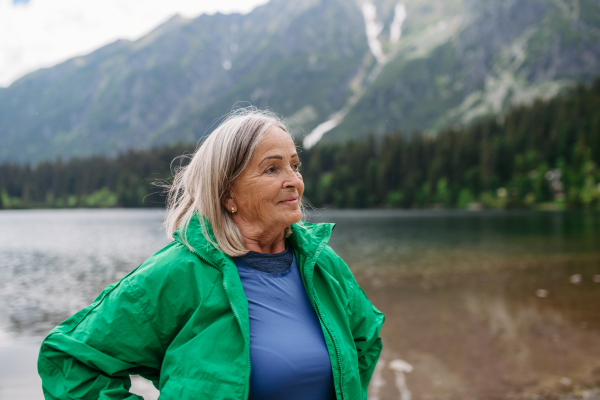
478 305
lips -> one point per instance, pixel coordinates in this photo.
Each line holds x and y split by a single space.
290 200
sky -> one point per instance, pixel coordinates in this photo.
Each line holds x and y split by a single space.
40 33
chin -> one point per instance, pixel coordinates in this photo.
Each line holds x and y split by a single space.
292 217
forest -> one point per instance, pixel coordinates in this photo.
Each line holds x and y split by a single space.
542 156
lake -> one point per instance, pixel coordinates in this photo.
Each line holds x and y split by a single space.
478 305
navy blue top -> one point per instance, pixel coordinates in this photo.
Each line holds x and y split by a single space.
274 263
288 354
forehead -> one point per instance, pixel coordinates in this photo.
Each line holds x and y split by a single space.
276 140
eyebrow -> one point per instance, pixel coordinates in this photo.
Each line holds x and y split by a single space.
276 158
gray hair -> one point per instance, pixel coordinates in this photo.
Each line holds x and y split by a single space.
214 166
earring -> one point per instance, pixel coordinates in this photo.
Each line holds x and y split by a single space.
232 210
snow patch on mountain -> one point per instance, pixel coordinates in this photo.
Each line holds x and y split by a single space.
373 28
396 27
316 134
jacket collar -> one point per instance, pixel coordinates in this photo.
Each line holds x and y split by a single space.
200 245
308 239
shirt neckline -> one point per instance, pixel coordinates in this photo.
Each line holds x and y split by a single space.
240 264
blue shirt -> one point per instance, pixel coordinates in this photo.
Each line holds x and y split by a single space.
288 354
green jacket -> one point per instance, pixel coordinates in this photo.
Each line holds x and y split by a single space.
181 320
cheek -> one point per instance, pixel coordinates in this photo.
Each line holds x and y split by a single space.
257 196
265 196
301 186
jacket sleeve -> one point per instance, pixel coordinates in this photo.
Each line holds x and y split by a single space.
365 321
92 354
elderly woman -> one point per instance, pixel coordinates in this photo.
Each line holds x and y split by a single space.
245 303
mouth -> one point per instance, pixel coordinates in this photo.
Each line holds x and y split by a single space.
291 200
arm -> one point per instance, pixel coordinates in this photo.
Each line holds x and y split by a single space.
91 354
365 322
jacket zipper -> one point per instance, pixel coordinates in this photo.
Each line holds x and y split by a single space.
237 318
337 354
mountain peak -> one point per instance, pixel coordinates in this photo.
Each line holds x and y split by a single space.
340 69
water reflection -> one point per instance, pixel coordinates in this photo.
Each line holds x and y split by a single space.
53 263
461 294
489 336
478 305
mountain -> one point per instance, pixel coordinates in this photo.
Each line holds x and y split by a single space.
481 61
338 68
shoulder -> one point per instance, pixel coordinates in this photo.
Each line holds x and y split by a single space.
331 262
173 268
330 259
174 257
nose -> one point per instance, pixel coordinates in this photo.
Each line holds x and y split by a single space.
292 179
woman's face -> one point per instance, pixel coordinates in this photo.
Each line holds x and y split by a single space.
267 194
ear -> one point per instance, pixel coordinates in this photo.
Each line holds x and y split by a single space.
227 200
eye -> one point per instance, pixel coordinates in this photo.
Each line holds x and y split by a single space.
270 169
296 166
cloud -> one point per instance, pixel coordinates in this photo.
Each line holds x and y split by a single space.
41 33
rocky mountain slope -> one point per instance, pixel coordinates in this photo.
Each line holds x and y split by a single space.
336 68
480 61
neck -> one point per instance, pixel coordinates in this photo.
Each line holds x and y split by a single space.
271 247
265 241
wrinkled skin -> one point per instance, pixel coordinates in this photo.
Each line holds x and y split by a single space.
266 197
